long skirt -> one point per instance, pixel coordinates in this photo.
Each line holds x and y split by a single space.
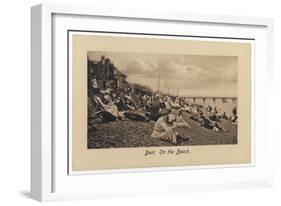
167 135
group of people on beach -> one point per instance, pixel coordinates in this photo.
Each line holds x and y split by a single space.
166 111
117 105
108 104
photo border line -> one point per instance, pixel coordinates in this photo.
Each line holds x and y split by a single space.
129 33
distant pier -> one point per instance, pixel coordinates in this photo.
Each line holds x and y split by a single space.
214 99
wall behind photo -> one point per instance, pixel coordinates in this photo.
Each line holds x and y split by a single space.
15 100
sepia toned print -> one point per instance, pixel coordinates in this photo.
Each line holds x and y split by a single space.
141 101
148 100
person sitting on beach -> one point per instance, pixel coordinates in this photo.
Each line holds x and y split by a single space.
224 116
203 119
215 115
212 126
187 108
167 102
108 107
195 113
234 116
107 96
164 128
176 103
209 108
153 112
215 126
122 103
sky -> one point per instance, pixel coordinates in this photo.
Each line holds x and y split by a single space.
183 75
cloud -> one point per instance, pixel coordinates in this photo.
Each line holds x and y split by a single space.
166 66
193 74
140 67
189 74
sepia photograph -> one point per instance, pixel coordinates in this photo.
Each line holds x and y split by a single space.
153 100
143 101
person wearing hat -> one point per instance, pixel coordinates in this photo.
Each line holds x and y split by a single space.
164 128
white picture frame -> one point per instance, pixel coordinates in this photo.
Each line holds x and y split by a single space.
49 177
